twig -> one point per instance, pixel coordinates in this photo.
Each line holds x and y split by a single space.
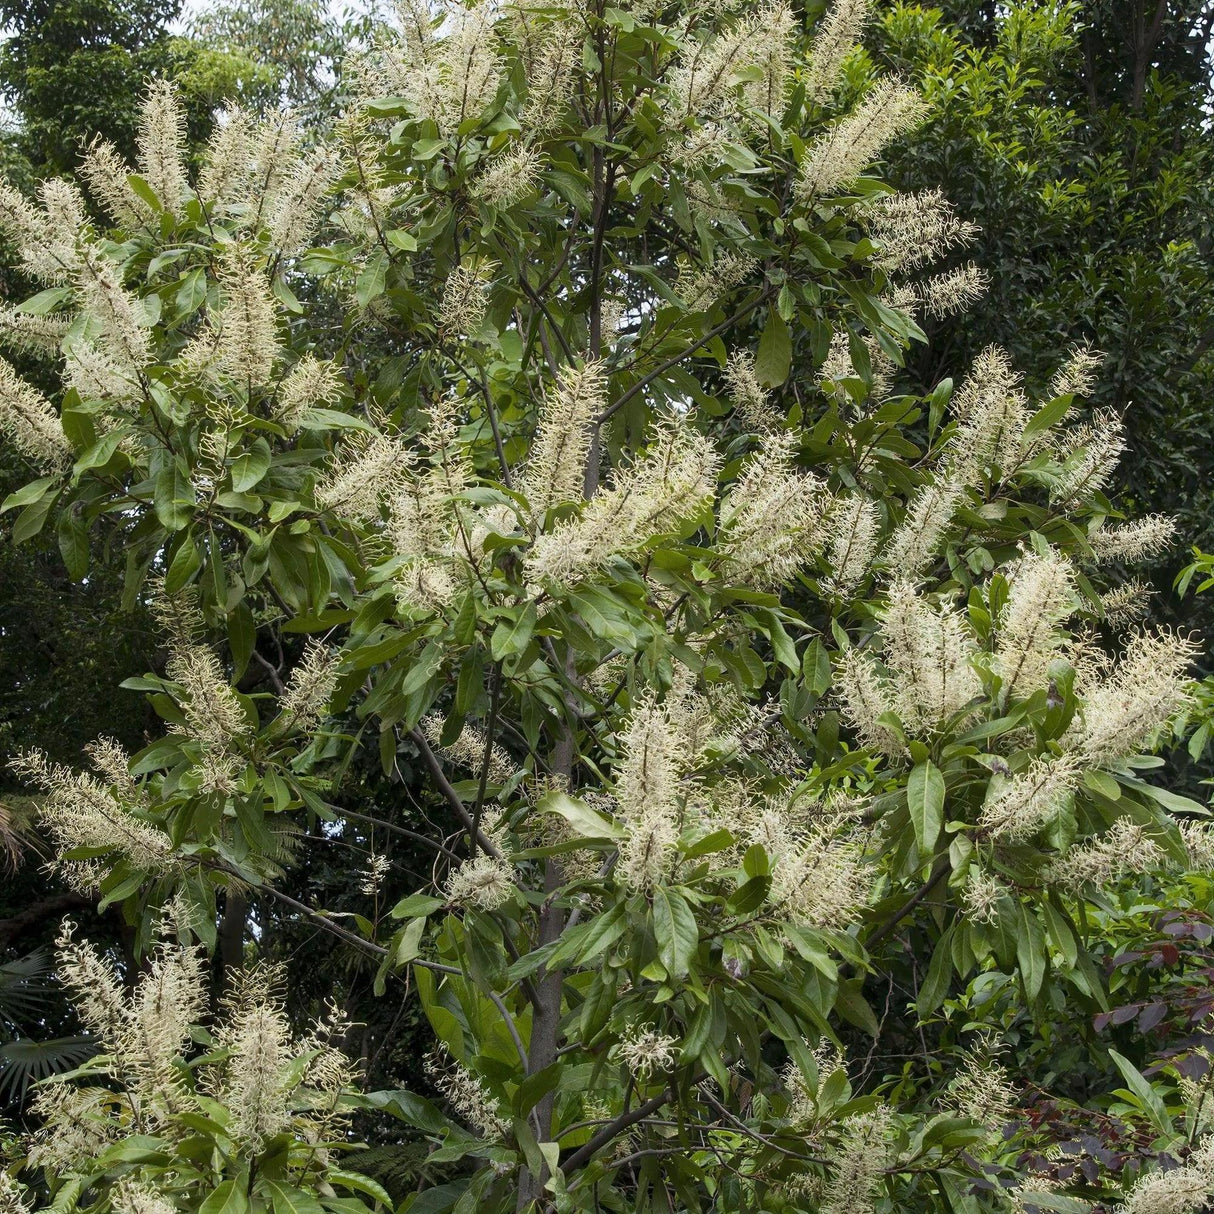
583 1155
675 359
453 798
938 874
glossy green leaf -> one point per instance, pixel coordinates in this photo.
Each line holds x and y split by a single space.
925 800
676 931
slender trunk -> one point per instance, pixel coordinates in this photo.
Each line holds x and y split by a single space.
1089 71
542 1051
546 1016
1145 40
231 941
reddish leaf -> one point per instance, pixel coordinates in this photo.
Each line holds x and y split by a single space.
1151 1015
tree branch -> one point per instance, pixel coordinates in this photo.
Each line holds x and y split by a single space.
583 1155
36 915
453 798
938 874
486 758
675 359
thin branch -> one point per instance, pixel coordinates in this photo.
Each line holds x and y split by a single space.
272 671
453 798
412 835
497 434
490 725
762 1139
511 1029
613 1129
326 924
938 874
543 307
675 359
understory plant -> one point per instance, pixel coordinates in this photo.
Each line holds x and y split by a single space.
537 430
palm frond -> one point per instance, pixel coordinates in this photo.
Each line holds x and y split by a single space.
26 1061
12 843
24 986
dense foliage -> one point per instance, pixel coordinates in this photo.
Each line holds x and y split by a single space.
780 744
1076 138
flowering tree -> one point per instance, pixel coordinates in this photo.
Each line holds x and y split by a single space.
551 399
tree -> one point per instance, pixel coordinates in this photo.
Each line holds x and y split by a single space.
688 824
1081 150
72 72
295 48
73 69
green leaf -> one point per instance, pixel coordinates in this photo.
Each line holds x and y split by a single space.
586 822
583 944
715 841
409 944
939 400
774 356
242 634
67 1198
1054 1201
249 468
750 895
74 543
226 1198
370 283
45 301
333 419
286 296
423 669
288 1200
140 187
410 1108
33 492
781 643
416 906
854 1008
815 666
141 1148
1030 951
512 636
173 495
100 453
192 292
343 1205
387 751
470 681
437 1199
1060 933
571 187
935 985
360 1184
808 945
756 862
32 519
1148 1098
676 931
1171 801
1048 415
535 1087
400 239
925 799
1103 783
185 563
